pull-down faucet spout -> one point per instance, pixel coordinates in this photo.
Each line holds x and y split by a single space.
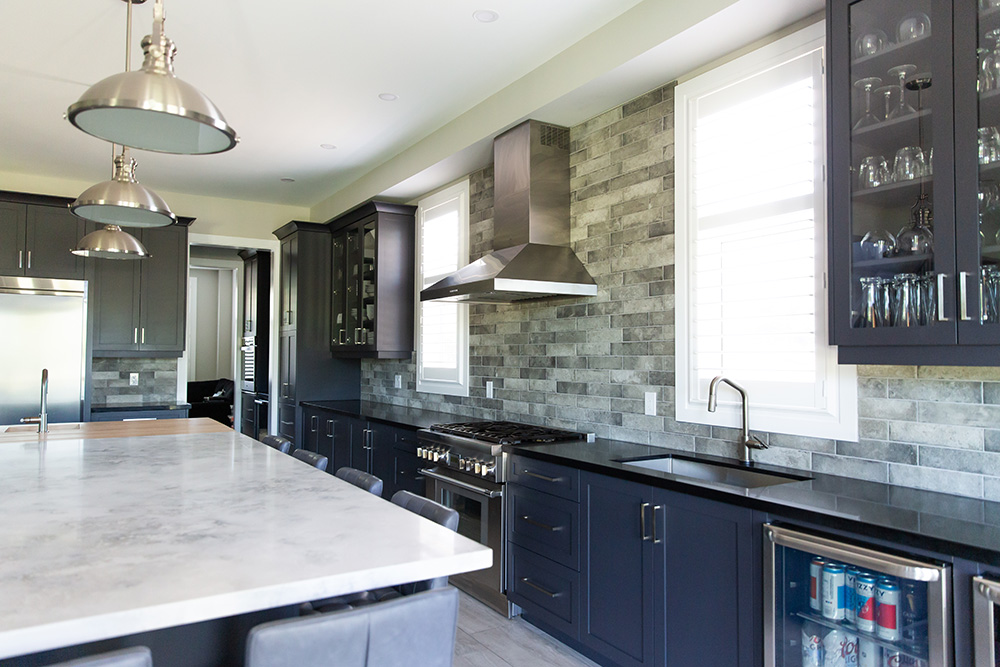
748 441
43 415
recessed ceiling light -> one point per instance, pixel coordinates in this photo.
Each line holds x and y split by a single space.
388 97
286 179
328 147
485 15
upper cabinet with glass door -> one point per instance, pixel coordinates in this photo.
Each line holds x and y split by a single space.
373 282
898 230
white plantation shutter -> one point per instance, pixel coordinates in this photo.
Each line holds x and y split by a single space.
442 326
751 244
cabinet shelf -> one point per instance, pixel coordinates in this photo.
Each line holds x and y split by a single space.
888 266
915 51
895 194
914 650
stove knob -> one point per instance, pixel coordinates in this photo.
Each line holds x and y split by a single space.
488 469
420 452
461 462
478 467
435 456
468 465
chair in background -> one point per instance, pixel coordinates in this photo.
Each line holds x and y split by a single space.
282 444
138 656
360 479
317 461
212 399
414 630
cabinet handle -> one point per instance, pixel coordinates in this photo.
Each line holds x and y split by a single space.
963 306
329 428
656 540
135 336
539 524
539 588
313 423
143 336
357 336
541 477
289 316
20 259
29 259
642 521
940 297
340 339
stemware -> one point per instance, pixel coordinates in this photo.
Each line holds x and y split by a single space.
989 294
913 26
870 43
909 164
994 63
886 92
901 72
989 200
916 239
877 244
989 145
866 85
873 172
987 80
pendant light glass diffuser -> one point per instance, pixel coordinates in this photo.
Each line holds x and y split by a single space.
110 242
122 201
151 108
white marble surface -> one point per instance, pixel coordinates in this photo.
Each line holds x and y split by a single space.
108 537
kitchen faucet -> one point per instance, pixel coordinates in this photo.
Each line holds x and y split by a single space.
749 441
43 416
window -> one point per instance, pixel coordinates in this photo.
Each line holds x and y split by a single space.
442 326
751 244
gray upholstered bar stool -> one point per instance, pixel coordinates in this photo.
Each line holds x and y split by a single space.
360 479
317 461
138 656
283 445
413 630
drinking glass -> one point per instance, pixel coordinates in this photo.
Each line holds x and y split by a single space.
866 85
986 79
901 72
989 294
878 244
994 36
909 164
872 303
989 145
870 43
928 299
913 26
873 172
916 239
906 296
989 224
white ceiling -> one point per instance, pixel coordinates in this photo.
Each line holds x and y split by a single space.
290 76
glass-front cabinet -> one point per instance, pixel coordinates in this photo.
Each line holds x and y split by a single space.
914 180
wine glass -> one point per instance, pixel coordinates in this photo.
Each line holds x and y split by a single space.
913 26
994 36
878 244
989 145
901 72
871 43
873 172
986 79
887 91
916 239
989 199
909 164
866 85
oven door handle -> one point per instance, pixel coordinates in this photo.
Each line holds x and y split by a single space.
460 484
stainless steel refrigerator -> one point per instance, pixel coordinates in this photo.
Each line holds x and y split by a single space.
43 324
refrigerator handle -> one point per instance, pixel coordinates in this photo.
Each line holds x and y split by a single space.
897 566
986 593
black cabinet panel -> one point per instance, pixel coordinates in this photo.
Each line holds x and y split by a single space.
548 592
545 477
12 220
286 421
114 304
545 524
50 233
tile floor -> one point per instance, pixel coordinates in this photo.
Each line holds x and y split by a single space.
487 639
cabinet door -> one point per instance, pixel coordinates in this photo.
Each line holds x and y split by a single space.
286 421
113 287
893 261
312 432
337 431
289 282
618 589
352 321
51 232
286 366
382 440
368 287
338 292
163 290
250 269
361 448
12 220
248 415
705 565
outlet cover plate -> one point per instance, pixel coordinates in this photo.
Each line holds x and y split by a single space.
651 403
133 379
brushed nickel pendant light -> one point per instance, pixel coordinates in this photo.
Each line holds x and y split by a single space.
122 201
110 242
151 108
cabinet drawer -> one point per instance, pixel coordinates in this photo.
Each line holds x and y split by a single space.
545 591
547 525
546 477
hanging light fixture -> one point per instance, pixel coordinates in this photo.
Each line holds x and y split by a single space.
151 108
110 242
122 201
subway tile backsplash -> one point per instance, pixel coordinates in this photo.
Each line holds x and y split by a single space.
157 381
585 364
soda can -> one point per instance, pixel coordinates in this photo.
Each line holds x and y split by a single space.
851 608
816 583
840 649
834 591
812 645
869 653
864 601
888 611
892 658
914 603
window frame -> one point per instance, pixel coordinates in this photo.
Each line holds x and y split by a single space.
460 387
838 419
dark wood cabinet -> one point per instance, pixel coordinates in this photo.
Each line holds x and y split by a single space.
913 252
139 308
36 240
372 282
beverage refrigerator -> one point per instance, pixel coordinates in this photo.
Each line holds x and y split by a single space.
986 595
832 603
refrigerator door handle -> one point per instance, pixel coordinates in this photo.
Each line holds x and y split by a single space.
986 594
897 566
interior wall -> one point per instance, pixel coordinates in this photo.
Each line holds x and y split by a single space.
212 356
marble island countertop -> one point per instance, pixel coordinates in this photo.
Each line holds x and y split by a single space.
105 537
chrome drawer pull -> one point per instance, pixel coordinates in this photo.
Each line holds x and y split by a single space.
539 588
539 524
656 540
541 477
642 521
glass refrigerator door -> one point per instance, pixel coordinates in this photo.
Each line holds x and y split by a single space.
986 595
836 604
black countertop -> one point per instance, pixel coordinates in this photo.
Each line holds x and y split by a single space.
956 525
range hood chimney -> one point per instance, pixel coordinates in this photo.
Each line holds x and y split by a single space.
531 226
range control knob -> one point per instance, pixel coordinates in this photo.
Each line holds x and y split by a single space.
468 465
436 455
488 469
421 453
478 467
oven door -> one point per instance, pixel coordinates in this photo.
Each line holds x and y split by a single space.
479 504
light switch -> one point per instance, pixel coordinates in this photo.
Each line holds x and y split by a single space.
651 403
397 382
133 379
489 389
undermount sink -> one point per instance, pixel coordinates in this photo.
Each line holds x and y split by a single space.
33 428
721 473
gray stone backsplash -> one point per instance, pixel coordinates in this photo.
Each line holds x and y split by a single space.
585 364
157 381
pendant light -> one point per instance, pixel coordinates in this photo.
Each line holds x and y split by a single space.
151 108
110 242
122 201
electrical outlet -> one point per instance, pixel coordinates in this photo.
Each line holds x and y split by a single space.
651 403
397 381
133 379
489 389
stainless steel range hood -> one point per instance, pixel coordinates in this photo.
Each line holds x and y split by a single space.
531 226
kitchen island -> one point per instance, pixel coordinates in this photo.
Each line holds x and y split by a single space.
113 536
